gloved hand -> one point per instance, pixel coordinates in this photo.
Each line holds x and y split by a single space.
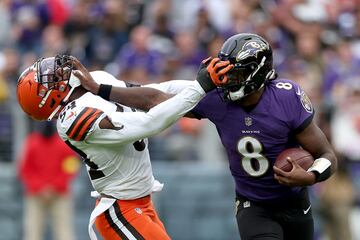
212 73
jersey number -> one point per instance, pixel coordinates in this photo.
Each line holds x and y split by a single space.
72 105
252 161
282 85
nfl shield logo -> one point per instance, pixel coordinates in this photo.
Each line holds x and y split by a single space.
248 121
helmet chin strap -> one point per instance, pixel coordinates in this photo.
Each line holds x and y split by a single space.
74 82
271 75
233 96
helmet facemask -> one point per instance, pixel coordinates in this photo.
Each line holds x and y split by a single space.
243 80
53 73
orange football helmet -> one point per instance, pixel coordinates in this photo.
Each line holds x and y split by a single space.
45 87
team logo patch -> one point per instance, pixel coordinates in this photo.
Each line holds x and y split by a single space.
306 103
71 115
248 121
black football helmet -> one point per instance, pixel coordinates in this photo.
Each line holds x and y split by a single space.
252 58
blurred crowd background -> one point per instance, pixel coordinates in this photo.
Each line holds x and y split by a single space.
315 42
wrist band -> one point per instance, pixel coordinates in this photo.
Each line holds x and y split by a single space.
322 169
104 91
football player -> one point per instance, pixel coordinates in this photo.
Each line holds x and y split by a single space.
257 117
111 138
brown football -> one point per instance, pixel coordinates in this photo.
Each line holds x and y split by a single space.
301 156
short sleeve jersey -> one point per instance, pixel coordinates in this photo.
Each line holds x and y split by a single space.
117 165
117 158
253 139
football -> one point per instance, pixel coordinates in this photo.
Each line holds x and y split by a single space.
301 156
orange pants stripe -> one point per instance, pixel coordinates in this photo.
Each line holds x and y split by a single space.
131 220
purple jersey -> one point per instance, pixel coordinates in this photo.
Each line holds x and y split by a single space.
253 139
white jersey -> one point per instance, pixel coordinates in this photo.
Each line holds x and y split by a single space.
118 161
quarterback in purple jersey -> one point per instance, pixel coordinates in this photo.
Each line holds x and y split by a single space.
257 117
253 138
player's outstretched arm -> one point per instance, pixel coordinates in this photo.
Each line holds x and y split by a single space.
142 98
123 127
133 126
145 98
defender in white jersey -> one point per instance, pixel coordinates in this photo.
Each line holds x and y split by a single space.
111 138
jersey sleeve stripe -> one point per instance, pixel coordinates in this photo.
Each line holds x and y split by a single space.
85 112
78 118
87 126
85 120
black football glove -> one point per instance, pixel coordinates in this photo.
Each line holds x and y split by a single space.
212 73
203 77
